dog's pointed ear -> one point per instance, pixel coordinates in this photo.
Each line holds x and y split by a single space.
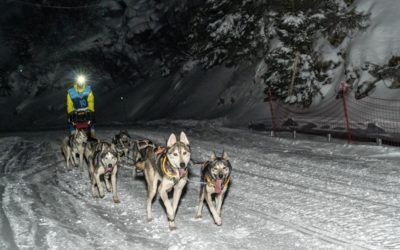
213 156
113 147
183 138
224 155
171 140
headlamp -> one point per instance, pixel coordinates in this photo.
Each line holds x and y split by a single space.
81 79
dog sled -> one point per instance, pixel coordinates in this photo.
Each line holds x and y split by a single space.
82 119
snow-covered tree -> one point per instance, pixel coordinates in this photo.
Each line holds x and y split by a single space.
296 72
283 33
388 74
227 32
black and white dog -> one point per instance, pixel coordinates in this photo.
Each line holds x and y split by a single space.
216 174
122 142
104 161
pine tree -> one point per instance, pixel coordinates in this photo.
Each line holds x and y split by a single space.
296 72
283 33
227 32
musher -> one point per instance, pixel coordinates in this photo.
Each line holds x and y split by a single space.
80 105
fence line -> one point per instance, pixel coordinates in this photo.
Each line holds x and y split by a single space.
340 116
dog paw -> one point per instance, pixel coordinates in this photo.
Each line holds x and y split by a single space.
102 196
172 225
149 220
198 216
116 200
218 222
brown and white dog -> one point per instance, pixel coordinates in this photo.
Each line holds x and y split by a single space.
216 174
169 167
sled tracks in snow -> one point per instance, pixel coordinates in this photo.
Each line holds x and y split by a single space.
312 231
317 189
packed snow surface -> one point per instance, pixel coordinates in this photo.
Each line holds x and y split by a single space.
285 194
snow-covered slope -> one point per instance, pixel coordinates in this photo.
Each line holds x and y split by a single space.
284 195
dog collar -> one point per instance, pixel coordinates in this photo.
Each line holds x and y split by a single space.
166 170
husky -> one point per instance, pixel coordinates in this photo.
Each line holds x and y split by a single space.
216 174
104 161
139 153
168 166
92 145
122 142
72 145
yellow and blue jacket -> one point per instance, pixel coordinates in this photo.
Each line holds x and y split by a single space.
78 98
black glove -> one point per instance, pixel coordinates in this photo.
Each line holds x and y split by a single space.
91 117
71 117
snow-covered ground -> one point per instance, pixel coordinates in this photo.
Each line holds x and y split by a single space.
285 194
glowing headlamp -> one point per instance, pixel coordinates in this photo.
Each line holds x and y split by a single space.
81 79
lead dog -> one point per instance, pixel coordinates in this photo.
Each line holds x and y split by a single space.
168 166
216 174
72 145
104 161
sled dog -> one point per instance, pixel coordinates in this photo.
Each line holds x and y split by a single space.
104 161
122 142
216 174
139 152
169 167
92 145
72 145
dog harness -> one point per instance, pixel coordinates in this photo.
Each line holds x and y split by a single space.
141 146
217 184
121 144
159 150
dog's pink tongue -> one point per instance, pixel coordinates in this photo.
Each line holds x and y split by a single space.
218 186
181 172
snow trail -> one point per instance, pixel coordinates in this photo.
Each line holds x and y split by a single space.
285 195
